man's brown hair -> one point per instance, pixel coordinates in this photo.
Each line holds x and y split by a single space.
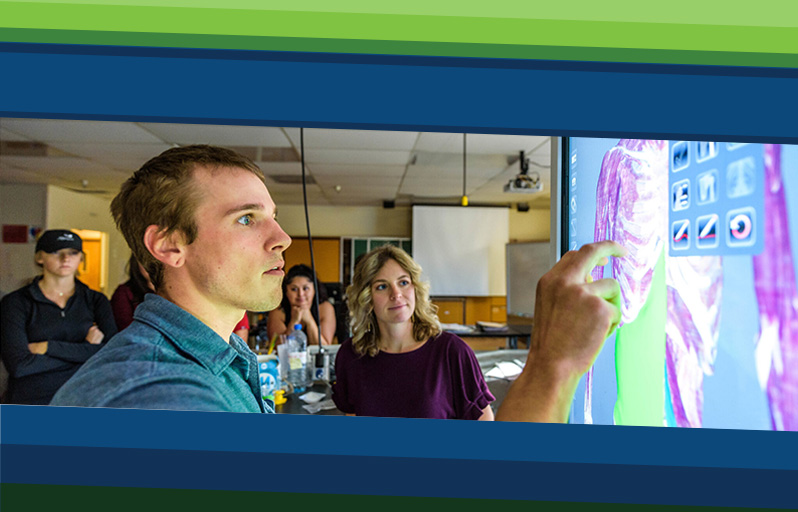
162 193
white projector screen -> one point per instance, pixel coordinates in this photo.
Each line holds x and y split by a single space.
461 249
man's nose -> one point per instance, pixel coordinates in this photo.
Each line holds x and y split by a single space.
277 239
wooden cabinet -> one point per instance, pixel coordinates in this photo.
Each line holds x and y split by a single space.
450 310
470 310
326 252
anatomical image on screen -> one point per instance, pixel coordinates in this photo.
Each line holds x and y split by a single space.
709 334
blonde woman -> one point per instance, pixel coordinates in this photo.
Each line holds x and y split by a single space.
50 327
399 363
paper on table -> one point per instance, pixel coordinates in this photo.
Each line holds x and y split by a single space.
321 406
457 328
311 397
504 370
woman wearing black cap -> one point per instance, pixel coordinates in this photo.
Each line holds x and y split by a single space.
299 307
50 327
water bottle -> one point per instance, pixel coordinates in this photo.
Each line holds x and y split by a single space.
298 371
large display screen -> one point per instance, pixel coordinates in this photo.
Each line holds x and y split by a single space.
709 299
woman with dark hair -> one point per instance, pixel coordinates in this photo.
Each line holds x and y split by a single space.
50 327
299 307
399 363
130 294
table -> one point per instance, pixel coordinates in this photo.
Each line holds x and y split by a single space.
294 404
513 333
488 359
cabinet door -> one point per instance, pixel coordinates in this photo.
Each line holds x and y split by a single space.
326 252
450 311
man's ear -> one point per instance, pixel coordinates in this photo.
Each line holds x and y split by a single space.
169 249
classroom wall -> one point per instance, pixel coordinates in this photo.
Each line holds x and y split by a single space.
20 204
337 221
363 221
73 210
52 207
530 226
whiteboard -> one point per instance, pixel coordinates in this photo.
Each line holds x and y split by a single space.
526 264
461 249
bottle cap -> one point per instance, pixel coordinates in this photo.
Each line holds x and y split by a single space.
298 327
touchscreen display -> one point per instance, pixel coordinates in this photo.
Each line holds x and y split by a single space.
709 299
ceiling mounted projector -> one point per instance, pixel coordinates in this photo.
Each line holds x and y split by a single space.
524 183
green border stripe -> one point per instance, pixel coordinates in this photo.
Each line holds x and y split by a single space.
398 48
775 13
374 27
24 497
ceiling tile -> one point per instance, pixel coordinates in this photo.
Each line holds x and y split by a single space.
354 139
8 135
330 180
44 164
356 156
59 130
221 135
112 154
396 171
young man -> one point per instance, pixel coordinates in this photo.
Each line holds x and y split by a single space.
201 221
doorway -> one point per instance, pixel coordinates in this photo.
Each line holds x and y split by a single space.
94 270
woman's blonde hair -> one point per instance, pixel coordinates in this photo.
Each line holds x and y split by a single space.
365 330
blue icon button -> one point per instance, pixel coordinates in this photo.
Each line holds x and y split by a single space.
707 187
741 227
680 195
707 231
680 155
740 178
705 150
680 235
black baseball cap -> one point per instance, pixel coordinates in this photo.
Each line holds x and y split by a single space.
54 240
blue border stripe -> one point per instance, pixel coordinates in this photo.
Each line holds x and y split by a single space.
338 435
396 60
288 123
385 476
577 102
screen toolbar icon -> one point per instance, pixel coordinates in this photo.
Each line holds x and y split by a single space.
707 229
740 178
680 195
705 150
680 155
707 187
680 231
741 227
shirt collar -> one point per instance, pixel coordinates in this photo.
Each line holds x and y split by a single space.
190 335
38 295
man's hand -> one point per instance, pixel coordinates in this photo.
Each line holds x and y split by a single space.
95 335
573 317
38 347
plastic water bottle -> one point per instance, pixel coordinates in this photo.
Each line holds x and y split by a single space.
298 371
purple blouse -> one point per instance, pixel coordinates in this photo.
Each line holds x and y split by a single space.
441 379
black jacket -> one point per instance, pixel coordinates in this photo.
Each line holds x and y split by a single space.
27 316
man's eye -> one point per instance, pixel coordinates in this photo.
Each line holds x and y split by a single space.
245 220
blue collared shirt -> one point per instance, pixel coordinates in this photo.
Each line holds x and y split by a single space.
168 359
